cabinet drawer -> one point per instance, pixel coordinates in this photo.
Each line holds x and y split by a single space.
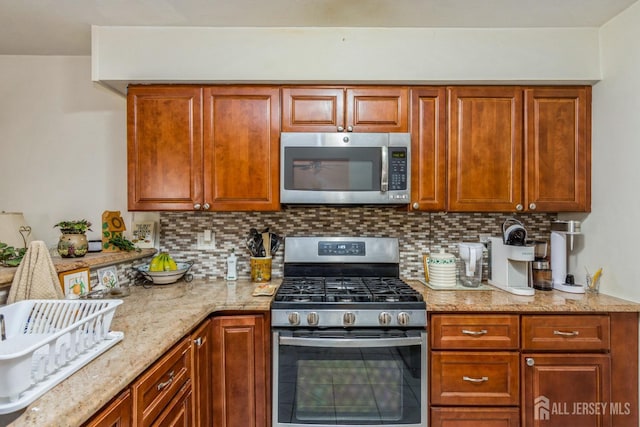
474 378
459 332
153 391
577 332
475 417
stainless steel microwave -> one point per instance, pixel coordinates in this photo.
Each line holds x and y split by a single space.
345 168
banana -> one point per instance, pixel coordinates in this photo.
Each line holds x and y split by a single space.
171 263
156 263
162 262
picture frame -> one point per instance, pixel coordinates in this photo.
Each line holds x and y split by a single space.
108 277
143 234
75 282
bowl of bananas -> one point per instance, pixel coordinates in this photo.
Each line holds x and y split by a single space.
163 270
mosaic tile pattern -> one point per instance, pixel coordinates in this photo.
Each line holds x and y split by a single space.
417 232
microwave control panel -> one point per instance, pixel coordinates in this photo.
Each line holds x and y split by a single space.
397 168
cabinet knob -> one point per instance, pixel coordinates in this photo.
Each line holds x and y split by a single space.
529 361
519 207
198 341
197 206
340 129
206 206
349 128
416 205
532 206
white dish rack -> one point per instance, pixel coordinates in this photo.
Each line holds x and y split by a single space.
47 341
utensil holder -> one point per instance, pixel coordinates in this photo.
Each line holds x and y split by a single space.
260 269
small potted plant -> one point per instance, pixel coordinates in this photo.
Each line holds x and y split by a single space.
73 243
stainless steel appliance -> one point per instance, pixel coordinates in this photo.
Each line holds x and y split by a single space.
349 337
345 168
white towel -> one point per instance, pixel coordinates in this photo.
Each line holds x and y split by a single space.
36 277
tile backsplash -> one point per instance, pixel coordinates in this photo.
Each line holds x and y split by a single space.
417 232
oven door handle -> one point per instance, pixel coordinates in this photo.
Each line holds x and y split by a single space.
350 342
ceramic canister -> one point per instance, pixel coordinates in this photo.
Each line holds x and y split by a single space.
442 269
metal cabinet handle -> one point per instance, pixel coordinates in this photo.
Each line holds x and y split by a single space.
384 177
416 205
474 333
529 361
566 334
167 383
475 380
197 206
340 129
519 207
206 206
532 206
349 128
198 341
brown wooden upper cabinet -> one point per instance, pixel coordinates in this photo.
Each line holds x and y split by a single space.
213 148
514 149
350 109
164 147
428 148
558 149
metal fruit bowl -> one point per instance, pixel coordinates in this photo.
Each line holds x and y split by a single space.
167 277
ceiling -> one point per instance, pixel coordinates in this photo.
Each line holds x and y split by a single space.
63 27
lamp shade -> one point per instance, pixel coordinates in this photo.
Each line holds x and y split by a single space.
14 230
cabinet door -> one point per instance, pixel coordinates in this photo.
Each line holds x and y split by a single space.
179 411
240 377
377 109
241 155
485 149
164 147
312 109
428 149
115 414
202 373
567 390
558 149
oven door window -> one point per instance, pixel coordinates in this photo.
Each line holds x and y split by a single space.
333 168
350 384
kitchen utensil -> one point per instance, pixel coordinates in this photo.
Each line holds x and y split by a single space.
266 243
471 271
513 232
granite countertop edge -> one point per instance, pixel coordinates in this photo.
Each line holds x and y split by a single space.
156 318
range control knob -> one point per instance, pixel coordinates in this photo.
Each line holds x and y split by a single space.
313 318
348 319
403 318
384 318
294 318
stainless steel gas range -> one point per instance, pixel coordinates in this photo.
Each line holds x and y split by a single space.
349 337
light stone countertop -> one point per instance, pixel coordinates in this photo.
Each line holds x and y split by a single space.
154 319
497 300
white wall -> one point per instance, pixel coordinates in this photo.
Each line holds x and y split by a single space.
357 55
611 232
62 143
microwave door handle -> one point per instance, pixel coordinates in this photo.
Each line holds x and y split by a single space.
346 342
384 173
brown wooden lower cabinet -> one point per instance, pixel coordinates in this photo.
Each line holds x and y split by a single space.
116 414
179 412
241 354
578 369
475 417
566 389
